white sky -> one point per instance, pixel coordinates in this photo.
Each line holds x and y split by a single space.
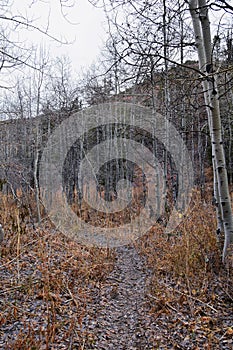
86 35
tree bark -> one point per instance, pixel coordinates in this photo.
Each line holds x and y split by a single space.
201 27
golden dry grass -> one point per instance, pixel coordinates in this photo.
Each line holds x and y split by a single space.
46 280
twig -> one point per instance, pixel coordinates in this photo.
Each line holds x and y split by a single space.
72 297
196 299
166 303
16 287
224 334
18 245
10 289
83 344
17 256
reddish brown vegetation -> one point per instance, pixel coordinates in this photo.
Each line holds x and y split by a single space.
191 291
47 279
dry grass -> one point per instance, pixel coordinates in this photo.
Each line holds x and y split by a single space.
45 281
190 289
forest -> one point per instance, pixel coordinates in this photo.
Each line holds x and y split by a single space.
116 183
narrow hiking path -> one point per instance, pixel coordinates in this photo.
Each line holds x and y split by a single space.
56 295
119 316
124 315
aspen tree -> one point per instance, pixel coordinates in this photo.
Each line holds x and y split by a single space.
201 27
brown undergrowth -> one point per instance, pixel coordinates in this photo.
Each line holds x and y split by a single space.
45 281
190 291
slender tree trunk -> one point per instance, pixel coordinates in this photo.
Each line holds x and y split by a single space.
166 95
201 26
35 175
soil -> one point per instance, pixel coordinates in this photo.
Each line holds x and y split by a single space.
119 317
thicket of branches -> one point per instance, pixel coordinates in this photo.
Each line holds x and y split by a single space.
150 58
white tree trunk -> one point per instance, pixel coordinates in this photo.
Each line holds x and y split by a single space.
36 165
201 26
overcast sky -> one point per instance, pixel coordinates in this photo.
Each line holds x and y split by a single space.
83 28
86 35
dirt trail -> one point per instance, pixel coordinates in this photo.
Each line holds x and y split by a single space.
119 318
